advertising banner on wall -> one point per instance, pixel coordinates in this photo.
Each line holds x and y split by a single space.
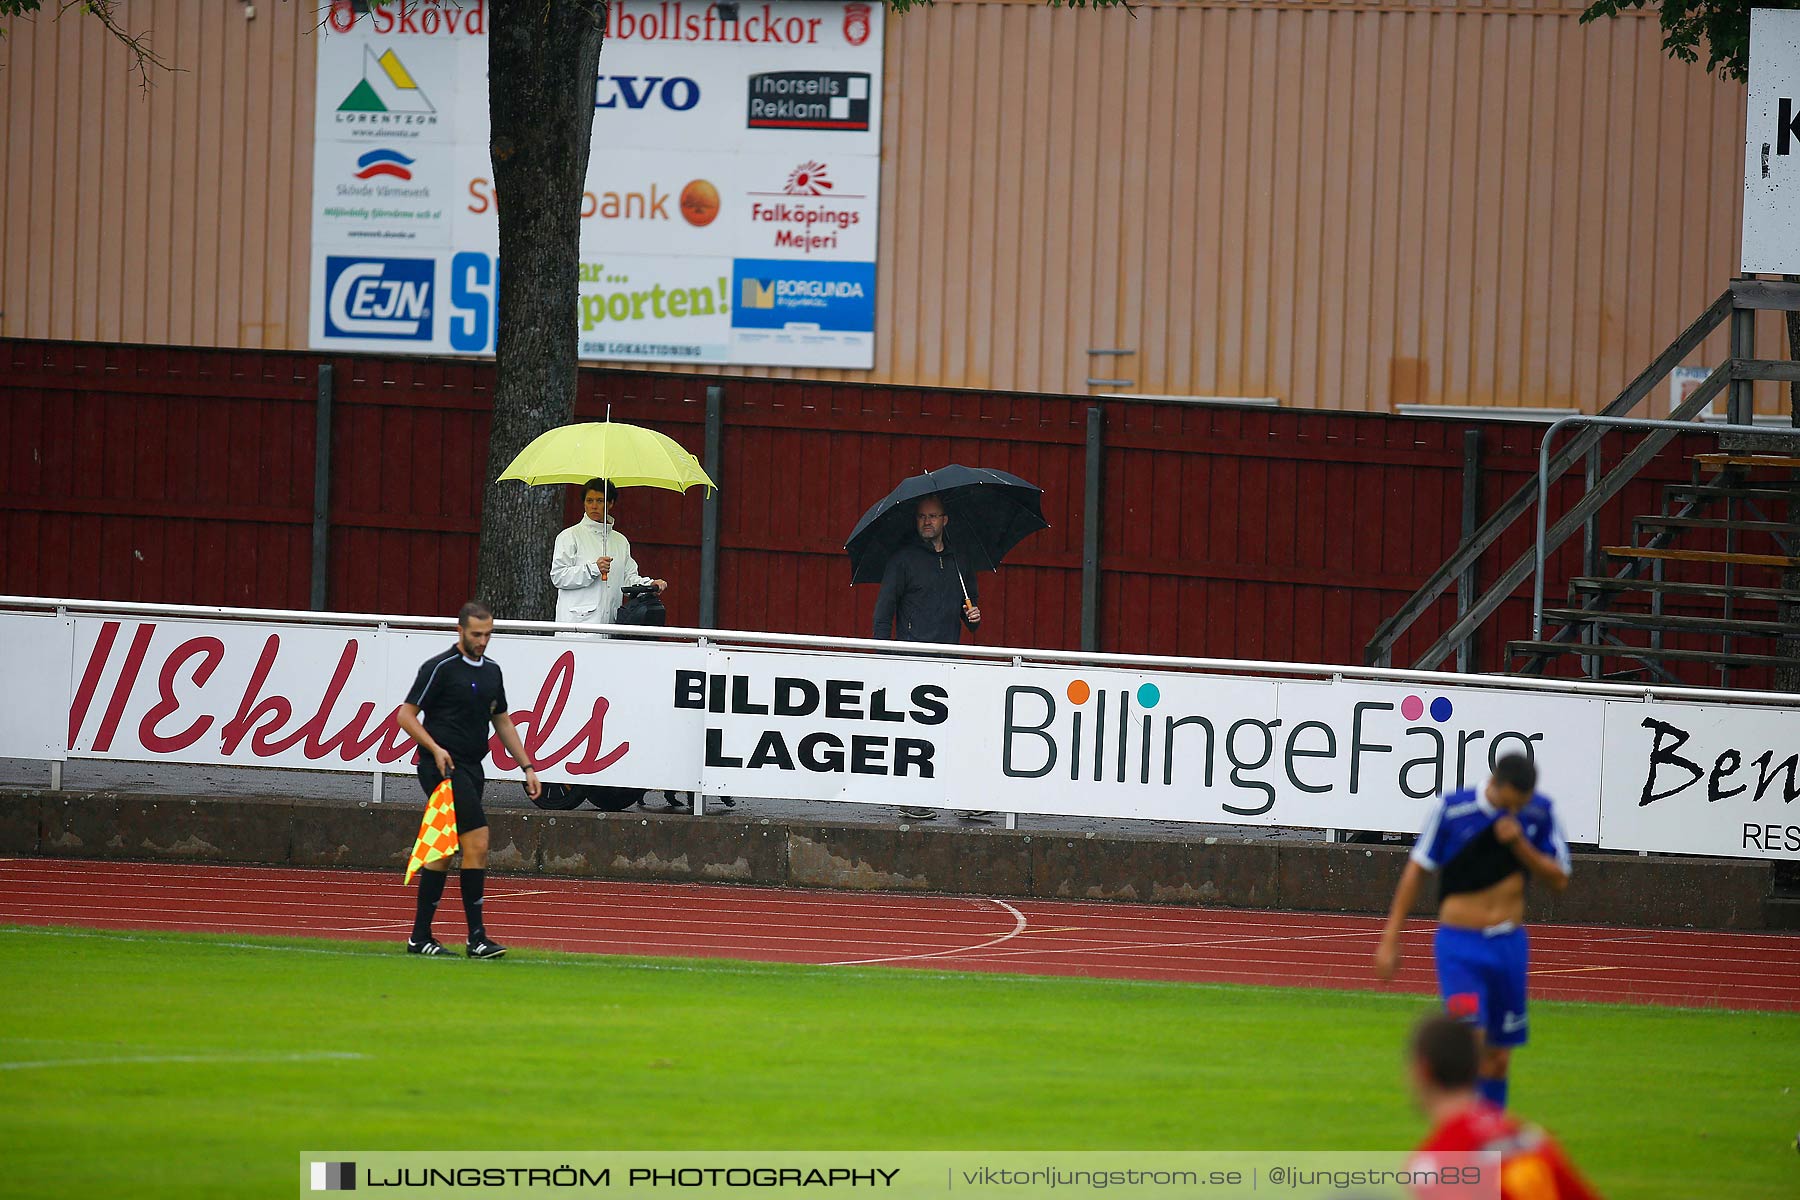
895 729
1772 144
731 203
33 718
1700 779
871 728
327 698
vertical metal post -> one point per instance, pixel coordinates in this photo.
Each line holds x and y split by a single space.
1590 528
56 775
321 523
1741 405
375 789
1012 820
1467 584
1732 546
709 515
1656 603
1090 535
1590 557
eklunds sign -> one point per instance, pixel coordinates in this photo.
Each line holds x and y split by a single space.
885 729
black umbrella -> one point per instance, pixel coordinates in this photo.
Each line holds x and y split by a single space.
990 513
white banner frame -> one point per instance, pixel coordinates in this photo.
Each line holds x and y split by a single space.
1204 741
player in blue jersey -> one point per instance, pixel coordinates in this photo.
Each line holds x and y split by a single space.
1485 846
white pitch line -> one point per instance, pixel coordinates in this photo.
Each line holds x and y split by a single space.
1543 936
599 961
1017 929
132 1060
1131 949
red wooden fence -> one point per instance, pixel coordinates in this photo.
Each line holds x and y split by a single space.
180 475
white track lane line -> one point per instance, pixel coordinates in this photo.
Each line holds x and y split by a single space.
751 968
1017 929
581 894
1544 936
690 926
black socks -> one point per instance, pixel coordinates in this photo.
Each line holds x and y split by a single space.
474 883
431 890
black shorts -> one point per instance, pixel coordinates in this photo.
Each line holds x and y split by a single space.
466 784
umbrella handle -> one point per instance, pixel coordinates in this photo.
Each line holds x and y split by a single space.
956 563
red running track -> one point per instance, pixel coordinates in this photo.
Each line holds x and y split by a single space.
1037 937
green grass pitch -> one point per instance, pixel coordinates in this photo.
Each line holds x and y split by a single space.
159 1064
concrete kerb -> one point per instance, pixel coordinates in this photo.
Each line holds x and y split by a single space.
1611 888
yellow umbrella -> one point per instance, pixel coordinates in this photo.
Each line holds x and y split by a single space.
629 455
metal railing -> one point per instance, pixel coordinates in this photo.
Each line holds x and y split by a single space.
801 643
1543 483
1739 303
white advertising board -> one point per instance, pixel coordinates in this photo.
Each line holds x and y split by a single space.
1772 144
327 697
1700 779
730 209
873 728
262 695
589 710
34 718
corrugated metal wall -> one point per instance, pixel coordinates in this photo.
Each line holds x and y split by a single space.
132 473
1343 205
175 213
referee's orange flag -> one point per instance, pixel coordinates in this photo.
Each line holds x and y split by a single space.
437 832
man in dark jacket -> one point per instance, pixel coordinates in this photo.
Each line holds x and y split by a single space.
926 597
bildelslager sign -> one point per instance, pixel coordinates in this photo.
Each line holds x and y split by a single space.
882 729
823 727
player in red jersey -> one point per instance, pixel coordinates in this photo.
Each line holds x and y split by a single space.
1445 1055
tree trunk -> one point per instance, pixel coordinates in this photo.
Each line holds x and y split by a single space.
543 57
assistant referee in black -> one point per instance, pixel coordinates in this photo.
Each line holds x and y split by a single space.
460 693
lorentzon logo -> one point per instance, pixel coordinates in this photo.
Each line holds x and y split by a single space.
379 298
334 1177
386 86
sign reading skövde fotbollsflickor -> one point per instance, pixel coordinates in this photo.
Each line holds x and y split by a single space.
731 196
1772 144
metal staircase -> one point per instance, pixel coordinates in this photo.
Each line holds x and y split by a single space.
1702 582
1677 594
